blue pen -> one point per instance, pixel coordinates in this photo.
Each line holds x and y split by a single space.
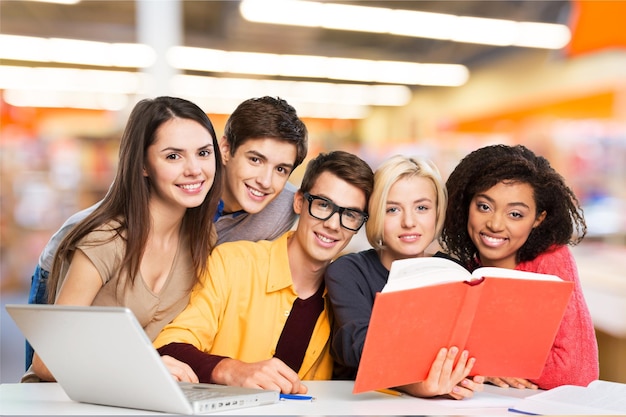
296 397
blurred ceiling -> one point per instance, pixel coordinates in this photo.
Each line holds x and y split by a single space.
218 24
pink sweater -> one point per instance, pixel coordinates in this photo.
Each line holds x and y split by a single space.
573 359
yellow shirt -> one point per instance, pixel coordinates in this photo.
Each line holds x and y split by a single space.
240 308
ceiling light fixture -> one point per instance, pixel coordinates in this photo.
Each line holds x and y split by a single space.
311 92
66 100
465 29
71 79
58 1
74 51
124 55
100 89
306 66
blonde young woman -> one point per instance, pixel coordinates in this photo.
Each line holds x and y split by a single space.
406 213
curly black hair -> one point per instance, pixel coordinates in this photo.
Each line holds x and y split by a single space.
488 166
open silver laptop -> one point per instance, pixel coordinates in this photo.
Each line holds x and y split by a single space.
101 355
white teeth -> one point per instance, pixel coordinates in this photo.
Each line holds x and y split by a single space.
191 186
493 239
256 193
325 239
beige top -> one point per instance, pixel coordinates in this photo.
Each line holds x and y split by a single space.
153 310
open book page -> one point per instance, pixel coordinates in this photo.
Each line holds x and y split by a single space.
422 272
599 397
493 272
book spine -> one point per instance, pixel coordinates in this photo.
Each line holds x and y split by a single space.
465 316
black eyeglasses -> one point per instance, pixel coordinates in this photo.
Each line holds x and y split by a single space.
323 209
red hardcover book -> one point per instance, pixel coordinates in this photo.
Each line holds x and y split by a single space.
506 319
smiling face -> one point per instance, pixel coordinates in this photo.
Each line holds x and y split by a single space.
256 173
500 221
410 219
322 240
180 164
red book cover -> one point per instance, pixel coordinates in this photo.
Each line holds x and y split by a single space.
507 324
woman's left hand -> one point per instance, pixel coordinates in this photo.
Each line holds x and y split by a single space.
467 388
447 378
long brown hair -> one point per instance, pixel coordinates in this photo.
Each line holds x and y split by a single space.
127 199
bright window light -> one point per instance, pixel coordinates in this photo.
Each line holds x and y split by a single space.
406 23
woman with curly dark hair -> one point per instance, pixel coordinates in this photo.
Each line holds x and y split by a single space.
508 208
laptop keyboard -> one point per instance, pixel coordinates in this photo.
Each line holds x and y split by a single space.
199 394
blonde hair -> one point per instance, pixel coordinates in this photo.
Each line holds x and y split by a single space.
388 173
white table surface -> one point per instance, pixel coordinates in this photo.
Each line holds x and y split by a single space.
331 398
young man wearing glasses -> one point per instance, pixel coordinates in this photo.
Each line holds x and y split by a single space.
260 316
